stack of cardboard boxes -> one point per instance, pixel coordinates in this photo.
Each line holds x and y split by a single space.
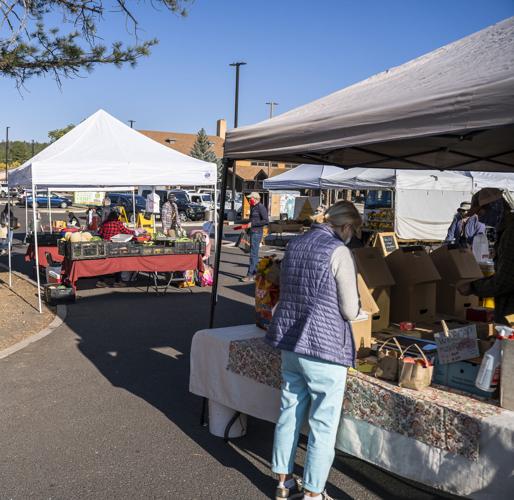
413 297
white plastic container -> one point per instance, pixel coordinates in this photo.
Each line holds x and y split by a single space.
488 376
220 416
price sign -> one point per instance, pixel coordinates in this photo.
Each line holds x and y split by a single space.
388 243
457 344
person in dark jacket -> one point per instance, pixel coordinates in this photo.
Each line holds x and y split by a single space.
491 206
258 219
311 326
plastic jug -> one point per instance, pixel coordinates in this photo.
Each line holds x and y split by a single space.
488 376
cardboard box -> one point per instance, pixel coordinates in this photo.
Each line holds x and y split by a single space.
361 329
456 265
373 268
461 376
413 297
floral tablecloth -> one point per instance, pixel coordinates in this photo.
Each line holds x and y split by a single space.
436 417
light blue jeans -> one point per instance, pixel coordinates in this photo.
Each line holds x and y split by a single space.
315 388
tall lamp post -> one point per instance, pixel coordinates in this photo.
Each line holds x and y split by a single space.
271 105
236 116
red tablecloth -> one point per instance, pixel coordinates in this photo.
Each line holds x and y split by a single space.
42 250
75 269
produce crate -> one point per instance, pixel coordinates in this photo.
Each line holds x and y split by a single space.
185 247
45 239
58 294
84 250
122 249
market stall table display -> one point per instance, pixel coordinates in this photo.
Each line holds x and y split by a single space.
76 269
446 440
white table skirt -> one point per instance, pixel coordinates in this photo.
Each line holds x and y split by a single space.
491 477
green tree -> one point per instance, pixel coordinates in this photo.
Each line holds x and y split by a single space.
202 149
28 47
53 135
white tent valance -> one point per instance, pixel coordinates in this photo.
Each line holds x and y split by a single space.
103 151
451 109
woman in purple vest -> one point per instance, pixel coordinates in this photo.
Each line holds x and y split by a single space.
318 299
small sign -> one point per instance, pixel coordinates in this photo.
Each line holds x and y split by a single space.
387 242
457 344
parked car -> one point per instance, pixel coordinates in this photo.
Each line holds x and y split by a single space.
126 201
187 209
3 191
204 199
42 201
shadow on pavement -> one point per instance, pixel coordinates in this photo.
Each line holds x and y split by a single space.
141 343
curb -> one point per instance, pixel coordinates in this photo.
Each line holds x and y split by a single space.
56 323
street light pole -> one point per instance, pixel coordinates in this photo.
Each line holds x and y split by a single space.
271 105
236 118
6 150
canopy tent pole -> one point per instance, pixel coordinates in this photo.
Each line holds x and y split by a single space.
215 217
49 209
26 215
36 251
227 163
9 234
134 204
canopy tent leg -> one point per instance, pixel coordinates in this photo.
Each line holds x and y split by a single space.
134 204
36 251
49 210
219 238
9 234
215 218
26 216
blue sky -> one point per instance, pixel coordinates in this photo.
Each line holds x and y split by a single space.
296 51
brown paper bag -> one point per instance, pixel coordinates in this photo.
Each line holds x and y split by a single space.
388 361
413 374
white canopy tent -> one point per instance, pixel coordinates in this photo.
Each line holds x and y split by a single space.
103 151
425 200
451 109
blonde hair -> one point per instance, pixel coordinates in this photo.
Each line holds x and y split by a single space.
339 214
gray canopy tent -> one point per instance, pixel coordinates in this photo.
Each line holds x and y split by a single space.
451 109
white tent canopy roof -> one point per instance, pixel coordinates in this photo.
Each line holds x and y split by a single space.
450 109
301 177
329 177
103 151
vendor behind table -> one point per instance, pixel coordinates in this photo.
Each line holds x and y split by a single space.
170 217
496 208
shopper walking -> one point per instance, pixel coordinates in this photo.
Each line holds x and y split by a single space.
311 326
258 220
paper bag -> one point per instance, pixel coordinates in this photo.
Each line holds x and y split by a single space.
415 373
388 361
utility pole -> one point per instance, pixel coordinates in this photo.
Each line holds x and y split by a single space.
132 123
237 65
6 151
271 105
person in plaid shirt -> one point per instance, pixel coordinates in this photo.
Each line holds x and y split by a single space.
169 215
112 226
501 284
